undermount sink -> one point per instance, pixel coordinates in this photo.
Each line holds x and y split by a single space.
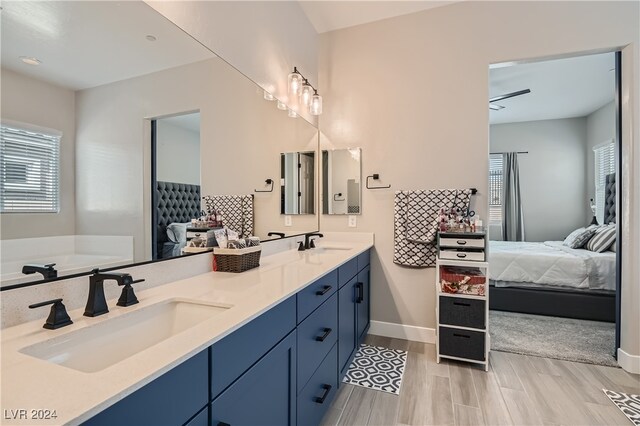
97 347
327 249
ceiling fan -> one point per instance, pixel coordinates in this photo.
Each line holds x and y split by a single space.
505 96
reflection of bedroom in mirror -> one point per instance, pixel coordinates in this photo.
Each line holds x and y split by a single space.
552 208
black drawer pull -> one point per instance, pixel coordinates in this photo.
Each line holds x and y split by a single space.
223 424
461 242
360 292
327 389
461 335
462 304
324 290
462 255
327 332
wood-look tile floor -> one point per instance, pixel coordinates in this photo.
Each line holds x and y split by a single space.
517 390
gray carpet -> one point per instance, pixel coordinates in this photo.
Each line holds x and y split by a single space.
590 342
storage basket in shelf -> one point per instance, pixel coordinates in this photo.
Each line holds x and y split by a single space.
236 260
462 280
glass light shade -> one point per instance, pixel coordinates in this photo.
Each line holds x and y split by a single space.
305 94
316 105
295 83
268 96
281 105
292 113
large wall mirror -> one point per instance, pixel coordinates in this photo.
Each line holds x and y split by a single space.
123 137
341 181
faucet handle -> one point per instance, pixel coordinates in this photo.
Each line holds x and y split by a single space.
301 246
128 296
58 316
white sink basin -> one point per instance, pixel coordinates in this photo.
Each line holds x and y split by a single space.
97 347
329 249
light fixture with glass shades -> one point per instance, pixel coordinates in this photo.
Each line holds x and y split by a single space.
300 86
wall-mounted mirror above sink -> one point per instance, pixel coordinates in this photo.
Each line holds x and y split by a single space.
341 181
109 137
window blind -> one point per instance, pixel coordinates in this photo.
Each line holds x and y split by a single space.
495 188
605 164
29 170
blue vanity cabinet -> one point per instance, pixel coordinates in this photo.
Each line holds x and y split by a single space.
363 304
354 308
264 395
171 399
237 352
347 336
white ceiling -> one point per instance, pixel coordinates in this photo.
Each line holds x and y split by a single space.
85 44
334 15
562 88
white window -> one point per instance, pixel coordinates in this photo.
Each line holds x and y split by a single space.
29 169
495 189
605 164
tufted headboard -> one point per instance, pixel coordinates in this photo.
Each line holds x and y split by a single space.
610 199
175 202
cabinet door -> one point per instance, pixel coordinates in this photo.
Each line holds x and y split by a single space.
265 394
171 399
346 324
363 302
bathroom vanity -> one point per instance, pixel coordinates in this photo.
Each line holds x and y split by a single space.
268 346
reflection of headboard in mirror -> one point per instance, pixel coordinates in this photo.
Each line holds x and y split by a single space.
175 202
610 199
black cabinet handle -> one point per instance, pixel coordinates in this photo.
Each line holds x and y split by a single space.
461 335
461 242
327 332
324 290
462 255
462 304
223 423
360 294
327 389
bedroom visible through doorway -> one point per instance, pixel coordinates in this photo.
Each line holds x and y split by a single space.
553 258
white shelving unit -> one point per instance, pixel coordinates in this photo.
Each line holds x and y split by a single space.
462 331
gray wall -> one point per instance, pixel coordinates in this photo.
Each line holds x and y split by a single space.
552 175
178 154
32 101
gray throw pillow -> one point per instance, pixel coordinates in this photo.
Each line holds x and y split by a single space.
604 237
578 238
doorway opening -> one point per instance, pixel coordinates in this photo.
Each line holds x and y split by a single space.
554 250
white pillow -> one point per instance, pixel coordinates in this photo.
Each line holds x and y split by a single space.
578 238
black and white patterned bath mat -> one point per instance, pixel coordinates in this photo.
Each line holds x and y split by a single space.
627 403
377 368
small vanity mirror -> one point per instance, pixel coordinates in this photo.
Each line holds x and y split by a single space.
297 182
341 181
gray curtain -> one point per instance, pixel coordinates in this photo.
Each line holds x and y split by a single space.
512 217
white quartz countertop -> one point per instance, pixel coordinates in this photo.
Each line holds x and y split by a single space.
29 383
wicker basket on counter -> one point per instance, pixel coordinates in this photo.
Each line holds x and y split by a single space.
236 260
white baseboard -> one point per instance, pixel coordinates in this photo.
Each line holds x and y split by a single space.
628 362
400 331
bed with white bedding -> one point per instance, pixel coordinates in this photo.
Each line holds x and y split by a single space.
552 279
550 264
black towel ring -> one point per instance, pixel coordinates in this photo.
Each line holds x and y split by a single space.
376 176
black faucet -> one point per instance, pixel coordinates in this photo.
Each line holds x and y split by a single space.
47 270
96 303
308 242
58 316
279 234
